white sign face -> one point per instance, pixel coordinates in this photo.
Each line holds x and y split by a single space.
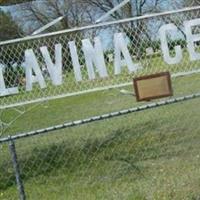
95 63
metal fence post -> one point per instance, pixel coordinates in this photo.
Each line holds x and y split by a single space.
19 182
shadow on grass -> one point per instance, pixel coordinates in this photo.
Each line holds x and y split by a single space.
127 146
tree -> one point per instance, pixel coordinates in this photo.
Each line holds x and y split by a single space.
9 55
141 31
36 14
9 28
131 9
135 30
75 12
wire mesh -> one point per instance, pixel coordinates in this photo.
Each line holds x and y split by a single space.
143 44
153 154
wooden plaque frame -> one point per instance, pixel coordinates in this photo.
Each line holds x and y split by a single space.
155 86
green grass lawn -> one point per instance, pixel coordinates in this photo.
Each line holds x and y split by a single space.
153 154
149 155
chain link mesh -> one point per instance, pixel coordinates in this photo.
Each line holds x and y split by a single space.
149 155
143 43
153 154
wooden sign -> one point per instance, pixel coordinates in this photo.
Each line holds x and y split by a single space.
153 86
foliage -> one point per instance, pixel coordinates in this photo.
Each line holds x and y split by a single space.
178 42
37 14
9 29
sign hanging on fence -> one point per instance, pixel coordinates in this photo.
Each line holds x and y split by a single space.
153 86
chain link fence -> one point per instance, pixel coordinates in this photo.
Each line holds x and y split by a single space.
153 154
143 43
150 151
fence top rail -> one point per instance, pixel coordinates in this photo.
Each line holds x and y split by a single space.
101 25
99 118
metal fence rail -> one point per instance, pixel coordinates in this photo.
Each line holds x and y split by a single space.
99 118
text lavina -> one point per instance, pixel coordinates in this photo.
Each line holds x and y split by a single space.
94 57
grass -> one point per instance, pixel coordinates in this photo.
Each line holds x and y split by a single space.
153 154
149 155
